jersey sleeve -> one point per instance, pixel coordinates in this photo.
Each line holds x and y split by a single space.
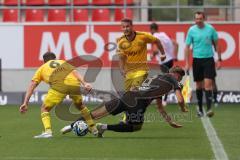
38 75
149 38
189 38
215 35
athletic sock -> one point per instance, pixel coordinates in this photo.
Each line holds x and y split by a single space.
45 116
215 92
208 95
121 127
199 93
87 116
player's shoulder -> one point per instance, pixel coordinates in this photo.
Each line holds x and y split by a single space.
192 28
140 33
120 38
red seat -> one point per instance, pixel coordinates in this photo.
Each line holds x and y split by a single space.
80 15
119 14
101 2
121 2
56 15
10 15
101 15
11 2
57 2
80 2
34 2
34 15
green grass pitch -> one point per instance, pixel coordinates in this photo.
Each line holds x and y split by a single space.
157 140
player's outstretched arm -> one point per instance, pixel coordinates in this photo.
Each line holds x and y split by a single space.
24 107
187 52
87 86
181 102
160 48
167 117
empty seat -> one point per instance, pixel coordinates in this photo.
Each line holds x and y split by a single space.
57 2
10 15
34 2
56 15
101 15
34 15
121 2
80 2
101 2
11 2
80 15
119 14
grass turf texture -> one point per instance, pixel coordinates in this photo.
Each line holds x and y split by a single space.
157 140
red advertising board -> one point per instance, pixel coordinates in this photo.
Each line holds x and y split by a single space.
69 41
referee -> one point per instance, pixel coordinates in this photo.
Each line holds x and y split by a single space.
203 37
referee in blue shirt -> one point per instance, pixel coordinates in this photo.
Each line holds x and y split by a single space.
203 38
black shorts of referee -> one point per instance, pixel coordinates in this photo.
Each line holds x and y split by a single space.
203 68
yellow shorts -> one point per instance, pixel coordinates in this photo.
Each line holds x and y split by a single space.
54 97
134 79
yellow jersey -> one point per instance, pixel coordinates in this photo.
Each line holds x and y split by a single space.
61 74
135 50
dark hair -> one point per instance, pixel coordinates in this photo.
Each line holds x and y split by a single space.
154 26
177 69
127 20
48 56
201 13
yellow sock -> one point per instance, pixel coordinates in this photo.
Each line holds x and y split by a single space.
46 121
87 116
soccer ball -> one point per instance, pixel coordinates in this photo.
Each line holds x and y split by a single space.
80 128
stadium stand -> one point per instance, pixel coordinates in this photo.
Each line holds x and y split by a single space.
101 15
57 2
119 14
34 2
34 15
10 15
121 2
57 15
80 2
80 15
101 2
10 2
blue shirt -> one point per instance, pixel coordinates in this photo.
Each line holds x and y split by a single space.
201 40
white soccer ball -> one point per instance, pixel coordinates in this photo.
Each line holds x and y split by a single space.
80 128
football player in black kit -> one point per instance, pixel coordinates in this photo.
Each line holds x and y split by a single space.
135 102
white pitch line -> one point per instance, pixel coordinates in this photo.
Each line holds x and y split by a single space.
215 142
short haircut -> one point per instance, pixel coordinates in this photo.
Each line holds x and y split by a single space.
48 56
154 26
199 12
177 69
127 20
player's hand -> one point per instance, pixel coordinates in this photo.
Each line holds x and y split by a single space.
162 57
23 108
175 125
218 64
88 87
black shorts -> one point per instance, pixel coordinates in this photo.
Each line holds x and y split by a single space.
134 110
203 68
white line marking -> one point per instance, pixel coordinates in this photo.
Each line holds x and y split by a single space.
215 142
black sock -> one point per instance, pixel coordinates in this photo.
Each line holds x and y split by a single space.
121 127
199 93
165 97
208 95
215 92
79 119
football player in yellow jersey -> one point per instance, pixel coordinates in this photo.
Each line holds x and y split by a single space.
63 80
132 51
